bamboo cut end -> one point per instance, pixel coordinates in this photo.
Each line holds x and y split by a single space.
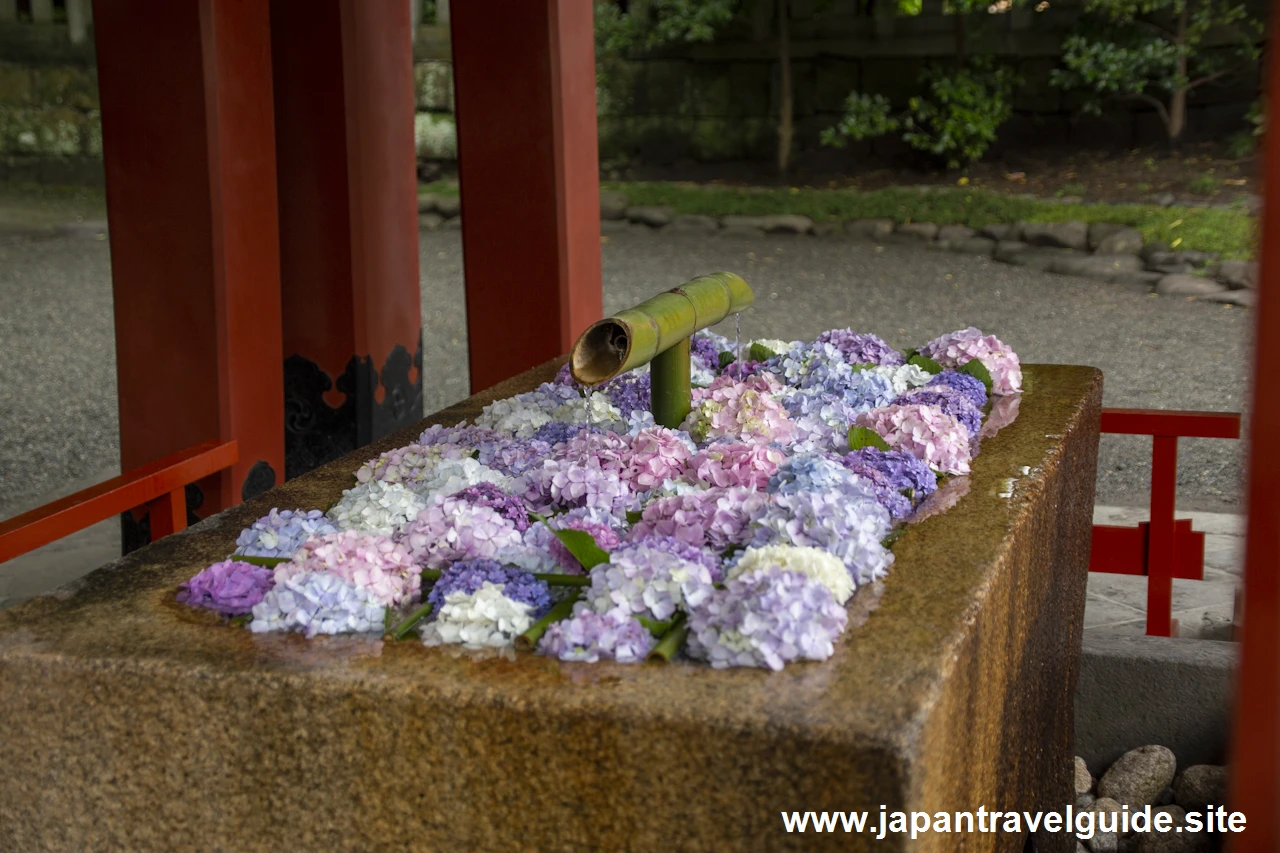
601 352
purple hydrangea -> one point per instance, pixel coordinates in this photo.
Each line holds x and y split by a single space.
970 386
644 580
629 392
707 347
812 472
589 636
513 456
862 349
889 497
462 436
850 529
685 551
452 529
743 369
231 587
952 401
903 470
768 617
491 495
606 538
557 432
280 533
715 518
470 575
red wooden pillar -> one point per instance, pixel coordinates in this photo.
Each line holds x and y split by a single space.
1255 758
344 104
190 166
528 166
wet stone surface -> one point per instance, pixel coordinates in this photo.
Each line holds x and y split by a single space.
128 721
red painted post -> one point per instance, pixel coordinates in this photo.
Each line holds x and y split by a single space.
190 167
1162 557
1255 758
344 101
168 514
524 77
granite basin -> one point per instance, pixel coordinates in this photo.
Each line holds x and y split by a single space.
130 722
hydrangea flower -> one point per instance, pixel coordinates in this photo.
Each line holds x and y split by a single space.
408 465
903 470
715 518
558 433
604 534
374 563
850 529
658 454
816 563
595 410
730 464
564 483
862 349
514 456
813 472
642 579
895 500
951 401
904 377
481 603
230 587
970 386
451 529
376 507
510 507
955 349
470 576
925 432
456 441
743 369
740 410
318 603
521 415
281 532
590 637
768 617
453 475
629 392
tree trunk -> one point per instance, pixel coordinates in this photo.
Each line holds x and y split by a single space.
785 128
1178 104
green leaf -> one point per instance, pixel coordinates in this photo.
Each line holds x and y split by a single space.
760 352
242 620
634 515
892 537
860 437
582 545
977 370
656 628
269 562
861 368
726 359
925 363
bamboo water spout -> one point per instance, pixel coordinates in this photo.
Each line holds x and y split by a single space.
658 330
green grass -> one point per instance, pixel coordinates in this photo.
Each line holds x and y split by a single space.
1229 232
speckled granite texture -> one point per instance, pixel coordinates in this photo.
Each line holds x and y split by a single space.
129 722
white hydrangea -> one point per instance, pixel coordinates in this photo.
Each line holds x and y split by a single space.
376 508
454 475
822 566
904 377
513 416
595 410
486 618
775 346
700 376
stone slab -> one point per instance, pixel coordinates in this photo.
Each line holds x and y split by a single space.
128 721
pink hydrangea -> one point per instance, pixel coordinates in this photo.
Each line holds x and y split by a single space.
452 529
954 349
378 564
714 518
749 465
743 410
606 450
657 454
926 432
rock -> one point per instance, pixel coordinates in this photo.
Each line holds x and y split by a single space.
1084 779
1187 285
1099 231
787 223
429 221
1006 249
1085 801
1165 798
1126 241
1064 235
1170 269
1253 205
1128 844
828 229
89 228
1080 848
694 222
1235 274
1154 248
1213 627
1201 785
1196 259
427 203
655 216
973 246
739 231
736 220
869 227
998 232
1163 199
454 223
1173 841
1096 266
955 232
1039 258
1144 278
1104 842
613 204
1139 775
448 206
615 226
918 230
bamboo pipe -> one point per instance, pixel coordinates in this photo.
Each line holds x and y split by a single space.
658 330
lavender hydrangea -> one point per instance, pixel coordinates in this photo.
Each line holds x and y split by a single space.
850 529
514 456
469 576
587 521
230 587
378 564
280 533
653 582
452 529
510 507
628 392
376 507
558 433
589 636
950 400
904 471
970 386
862 349
715 518
768 617
318 603
706 347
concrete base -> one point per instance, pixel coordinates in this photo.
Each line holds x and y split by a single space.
1135 691
130 722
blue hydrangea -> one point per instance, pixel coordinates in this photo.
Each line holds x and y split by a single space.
470 575
280 533
905 472
950 400
971 386
849 527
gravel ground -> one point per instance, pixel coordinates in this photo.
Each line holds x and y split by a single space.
58 421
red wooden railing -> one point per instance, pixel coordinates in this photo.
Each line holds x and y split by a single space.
159 486
1162 549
